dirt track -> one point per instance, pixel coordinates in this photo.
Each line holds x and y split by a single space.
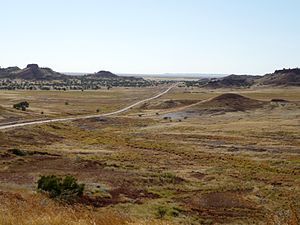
5 126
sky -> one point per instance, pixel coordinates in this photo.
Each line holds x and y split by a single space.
151 36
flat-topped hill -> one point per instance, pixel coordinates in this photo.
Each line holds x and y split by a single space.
31 72
34 72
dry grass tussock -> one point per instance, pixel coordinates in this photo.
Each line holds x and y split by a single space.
17 209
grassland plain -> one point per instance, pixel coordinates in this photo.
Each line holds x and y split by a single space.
175 160
52 104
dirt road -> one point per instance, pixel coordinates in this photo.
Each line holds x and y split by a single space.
22 124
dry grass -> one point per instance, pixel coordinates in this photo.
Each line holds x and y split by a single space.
53 103
238 167
39 210
35 209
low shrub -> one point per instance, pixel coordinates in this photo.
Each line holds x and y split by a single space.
17 152
21 106
66 188
161 211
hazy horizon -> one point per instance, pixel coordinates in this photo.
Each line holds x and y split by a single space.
152 37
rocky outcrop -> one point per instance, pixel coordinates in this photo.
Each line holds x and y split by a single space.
232 81
284 77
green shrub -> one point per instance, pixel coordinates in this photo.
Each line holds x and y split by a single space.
65 188
17 152
161 211
21 106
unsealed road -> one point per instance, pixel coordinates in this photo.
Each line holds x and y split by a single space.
2 127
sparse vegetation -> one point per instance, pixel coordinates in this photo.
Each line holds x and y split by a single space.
230 167
169 178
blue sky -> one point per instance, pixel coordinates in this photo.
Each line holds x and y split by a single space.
151 36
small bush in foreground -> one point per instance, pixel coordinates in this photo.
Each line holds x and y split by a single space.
65 188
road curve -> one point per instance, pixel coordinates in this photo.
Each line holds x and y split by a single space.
3 127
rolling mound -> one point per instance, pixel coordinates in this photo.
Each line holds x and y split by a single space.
107 75
103 75
230 102
221 104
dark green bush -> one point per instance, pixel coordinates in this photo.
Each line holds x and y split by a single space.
21 106
17 152
65 188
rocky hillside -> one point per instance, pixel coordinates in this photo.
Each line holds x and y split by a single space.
284 77
233 81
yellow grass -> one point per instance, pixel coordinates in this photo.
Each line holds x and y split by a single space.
35 209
